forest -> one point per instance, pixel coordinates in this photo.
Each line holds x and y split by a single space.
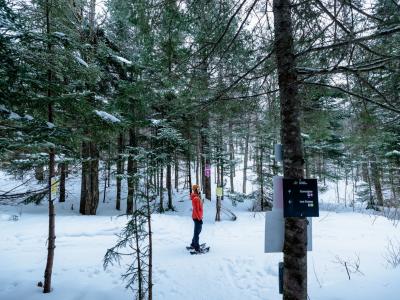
118 107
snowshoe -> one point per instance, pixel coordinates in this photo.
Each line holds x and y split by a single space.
191 248
201 251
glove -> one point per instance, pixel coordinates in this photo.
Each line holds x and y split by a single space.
201 222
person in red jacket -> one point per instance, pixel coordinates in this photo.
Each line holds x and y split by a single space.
197 216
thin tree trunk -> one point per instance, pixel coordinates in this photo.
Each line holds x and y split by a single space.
221 162
218 202
246 156
169 187
52 235
39 173
295 245
392 183
109 169
138 259
376 178
198 160
176 172
157 175
62 182
131 172
150 261
206 163
120 170
261 180
105 185
231 158
337 183
161 209
345 187
366 175
189 173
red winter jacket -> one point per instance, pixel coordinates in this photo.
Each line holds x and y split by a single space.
197 205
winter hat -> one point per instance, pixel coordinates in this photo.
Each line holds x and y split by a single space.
195 187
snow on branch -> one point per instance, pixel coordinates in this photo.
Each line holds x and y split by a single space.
107 117
122 60
393 153
79 59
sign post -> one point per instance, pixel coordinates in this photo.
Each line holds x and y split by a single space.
291 198
275 221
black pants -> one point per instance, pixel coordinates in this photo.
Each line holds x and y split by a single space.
197 229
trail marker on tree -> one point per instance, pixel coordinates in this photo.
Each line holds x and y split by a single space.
207 171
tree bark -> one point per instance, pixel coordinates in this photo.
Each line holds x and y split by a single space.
295 245
62 182
39 173
205 158
90 179
376 178
189 173
246 157
52 235
150 259
198 162
169 187
132 170
231 158
120 170
161 208
176 172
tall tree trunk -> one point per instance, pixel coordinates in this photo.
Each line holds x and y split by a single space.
131 171
90 154
161 208
150 251
52 235
157 180
205 158
246 157
221 162
90 179
169 186
261 180
120 170
231 158
189 173
39 173
109 168
295 245
218 202
176 172
367 178
364 171
392 184
62 182
105 184
198 162
376 178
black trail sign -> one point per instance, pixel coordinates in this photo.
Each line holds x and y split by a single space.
300 198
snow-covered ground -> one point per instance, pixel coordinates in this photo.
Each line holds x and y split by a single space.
235 268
